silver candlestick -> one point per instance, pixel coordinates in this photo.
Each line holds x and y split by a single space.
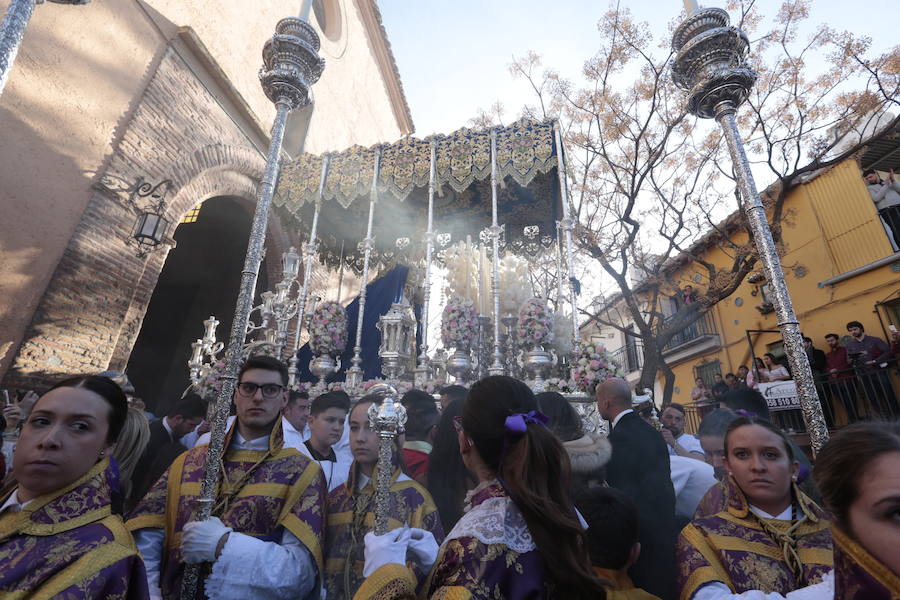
12 30
354 376
711 64
291 66
423 371
496 367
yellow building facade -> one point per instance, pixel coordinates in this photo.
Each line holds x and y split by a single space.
839 265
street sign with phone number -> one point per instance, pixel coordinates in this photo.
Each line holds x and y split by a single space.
780 395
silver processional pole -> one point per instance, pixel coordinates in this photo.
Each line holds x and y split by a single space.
291 65
710 63
12 30
386 419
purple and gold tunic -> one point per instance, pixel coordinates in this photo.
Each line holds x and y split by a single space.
68 545
489 554
351 516
858 575
259 493
746 552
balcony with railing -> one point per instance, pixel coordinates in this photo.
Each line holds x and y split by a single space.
698 337
630 356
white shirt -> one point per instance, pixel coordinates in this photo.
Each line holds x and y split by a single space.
165 424
619 418
688 442
691 479
247 567
12 503
292 437
885 194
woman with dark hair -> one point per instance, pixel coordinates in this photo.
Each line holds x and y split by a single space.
351 506
520 537
58 536
588 454
775 370
770 537
858 473
451 479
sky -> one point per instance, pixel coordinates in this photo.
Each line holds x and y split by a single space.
453 56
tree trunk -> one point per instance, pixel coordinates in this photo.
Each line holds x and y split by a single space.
651 365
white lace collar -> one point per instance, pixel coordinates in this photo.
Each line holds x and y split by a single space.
495 521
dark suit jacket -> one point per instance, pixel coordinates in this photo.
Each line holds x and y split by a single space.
639 467
159 438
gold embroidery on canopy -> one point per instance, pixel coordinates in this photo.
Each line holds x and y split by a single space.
524 149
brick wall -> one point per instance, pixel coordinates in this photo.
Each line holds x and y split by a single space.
91 313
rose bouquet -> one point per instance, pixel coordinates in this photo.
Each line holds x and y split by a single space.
593 366
328 329
459 323
535 324
210 383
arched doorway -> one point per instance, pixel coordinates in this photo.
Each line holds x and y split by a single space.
201 277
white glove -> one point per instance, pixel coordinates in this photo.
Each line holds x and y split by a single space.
199 539
423 548
389 548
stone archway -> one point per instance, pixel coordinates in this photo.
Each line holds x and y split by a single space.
201 277
93 308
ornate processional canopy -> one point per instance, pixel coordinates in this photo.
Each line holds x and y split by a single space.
528 200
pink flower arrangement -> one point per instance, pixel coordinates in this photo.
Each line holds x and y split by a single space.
211 379
593 366
459 323
535 325
328 329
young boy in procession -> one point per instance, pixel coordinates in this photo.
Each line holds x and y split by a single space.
351 511
612 539
328 413
264 538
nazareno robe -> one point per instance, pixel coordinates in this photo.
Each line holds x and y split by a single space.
351 517
733 548
69 545
489 554
267 491
858 575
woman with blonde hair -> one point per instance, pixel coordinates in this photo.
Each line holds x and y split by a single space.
130 447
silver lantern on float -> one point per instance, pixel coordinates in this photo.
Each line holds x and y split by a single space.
398 330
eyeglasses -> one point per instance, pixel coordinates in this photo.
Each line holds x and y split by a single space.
457 423
248 389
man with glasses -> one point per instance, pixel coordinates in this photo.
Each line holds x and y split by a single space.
264 539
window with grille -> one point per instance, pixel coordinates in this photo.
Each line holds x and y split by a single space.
707 372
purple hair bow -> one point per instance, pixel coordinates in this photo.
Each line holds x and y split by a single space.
517 424
745 413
